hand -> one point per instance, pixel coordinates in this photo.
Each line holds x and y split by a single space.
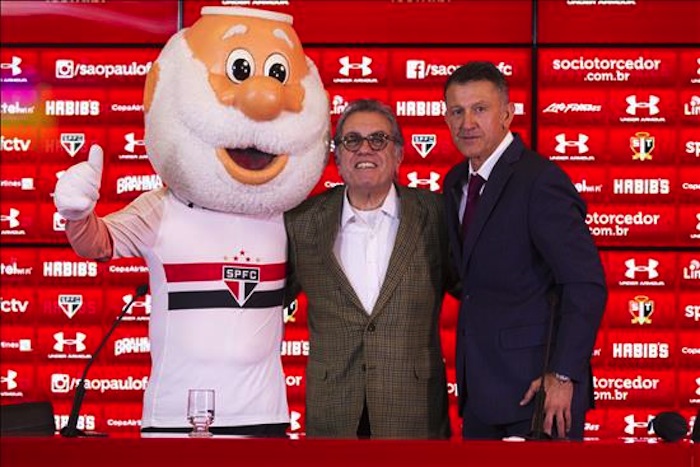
557 404
78 189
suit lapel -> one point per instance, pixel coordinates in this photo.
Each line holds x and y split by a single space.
492 191
327 226
455 191
411 225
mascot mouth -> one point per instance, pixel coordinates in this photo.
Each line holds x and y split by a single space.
251 165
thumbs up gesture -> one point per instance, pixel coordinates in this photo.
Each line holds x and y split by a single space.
78 189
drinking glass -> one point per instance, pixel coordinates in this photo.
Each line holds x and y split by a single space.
200 411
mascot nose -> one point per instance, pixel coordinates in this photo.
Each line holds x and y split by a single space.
260 98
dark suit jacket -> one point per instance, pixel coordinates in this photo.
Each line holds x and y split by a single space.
527 249
393 356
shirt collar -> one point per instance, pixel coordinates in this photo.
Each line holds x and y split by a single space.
389 207
487 167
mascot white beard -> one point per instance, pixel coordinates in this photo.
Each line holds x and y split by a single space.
184 128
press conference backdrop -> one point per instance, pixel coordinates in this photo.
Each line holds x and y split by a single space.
610 90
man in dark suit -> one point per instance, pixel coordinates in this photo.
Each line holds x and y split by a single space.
372 258
525 257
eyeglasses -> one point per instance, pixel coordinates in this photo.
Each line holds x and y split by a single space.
377 141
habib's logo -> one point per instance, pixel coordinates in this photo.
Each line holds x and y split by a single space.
241 281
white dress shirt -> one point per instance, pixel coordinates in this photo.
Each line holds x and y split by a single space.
364 244
484 171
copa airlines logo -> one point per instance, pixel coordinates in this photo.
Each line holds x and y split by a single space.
692 108
641 186
21 345
423 144
69 69
572 107
72 108
69 269
139 183
431 182
15 144
640 350
420 69
641 308
642 144
355 71
23 183
62 383
420 108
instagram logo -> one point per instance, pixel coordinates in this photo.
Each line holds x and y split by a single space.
65 69
60 382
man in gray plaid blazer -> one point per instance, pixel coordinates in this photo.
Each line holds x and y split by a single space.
372 259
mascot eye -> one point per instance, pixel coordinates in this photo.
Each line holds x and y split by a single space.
240 65
277 67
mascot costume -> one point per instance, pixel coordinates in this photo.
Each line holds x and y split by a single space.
236 125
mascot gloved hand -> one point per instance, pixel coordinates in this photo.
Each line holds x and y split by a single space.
236 125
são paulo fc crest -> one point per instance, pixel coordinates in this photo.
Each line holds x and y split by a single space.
241 282
70 304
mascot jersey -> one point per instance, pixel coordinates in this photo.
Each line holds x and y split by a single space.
217 282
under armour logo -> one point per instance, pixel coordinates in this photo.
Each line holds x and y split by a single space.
651 104
11 218
10 379
423 144
13 65
132 142
632 425
633 268
579 144
363 66
61 341
431 182
294 420
697 218
145 303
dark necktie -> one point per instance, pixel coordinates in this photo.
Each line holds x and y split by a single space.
473 189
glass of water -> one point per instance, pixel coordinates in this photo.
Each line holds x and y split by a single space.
200 411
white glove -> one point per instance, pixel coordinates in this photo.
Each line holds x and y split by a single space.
78 189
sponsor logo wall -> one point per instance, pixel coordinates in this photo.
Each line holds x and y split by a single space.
622 122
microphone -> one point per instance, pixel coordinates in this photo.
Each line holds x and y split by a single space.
670 426
71 429
537 432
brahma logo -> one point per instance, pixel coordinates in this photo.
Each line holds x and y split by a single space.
642 144
142 183
72 142
14 144
431 183
641 308
423 144
241 282
72 108
132 345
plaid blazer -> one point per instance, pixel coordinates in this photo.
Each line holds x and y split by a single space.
392 358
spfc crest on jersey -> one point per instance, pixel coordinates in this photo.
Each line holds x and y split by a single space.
70 304
241 281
